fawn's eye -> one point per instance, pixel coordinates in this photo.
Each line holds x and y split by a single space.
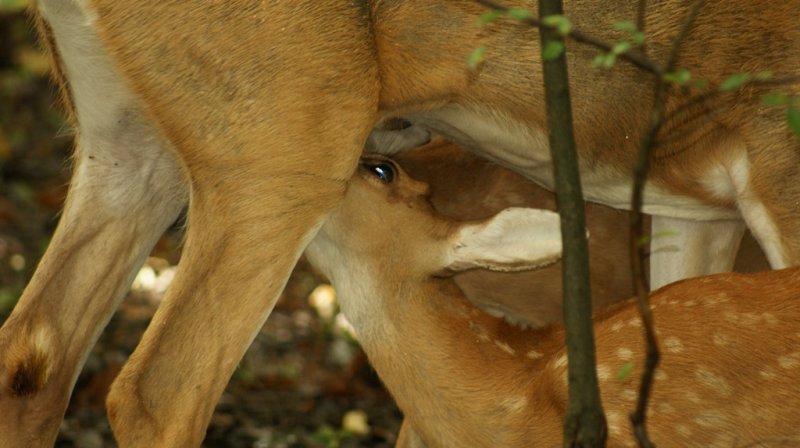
382 170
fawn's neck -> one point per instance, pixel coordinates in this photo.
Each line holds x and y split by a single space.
450 365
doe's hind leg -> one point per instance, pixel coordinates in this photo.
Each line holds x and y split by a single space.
768 195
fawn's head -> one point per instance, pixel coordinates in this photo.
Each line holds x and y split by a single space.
386 228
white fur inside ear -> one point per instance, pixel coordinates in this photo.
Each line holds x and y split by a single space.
513 240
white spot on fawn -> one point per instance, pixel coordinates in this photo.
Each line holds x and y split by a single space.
721 339
673 345
767 373
614 420
716 300
666 408
479 331
624 354
789 361
769 318
710 419
603 372
533 354
504 347
713 381
692 397
628 395
731 317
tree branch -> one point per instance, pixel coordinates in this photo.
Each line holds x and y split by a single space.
638 249
631 56
641 23
640 20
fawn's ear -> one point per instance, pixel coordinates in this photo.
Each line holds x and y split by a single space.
515 239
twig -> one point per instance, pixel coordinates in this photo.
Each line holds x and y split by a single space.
641 22
631 56
639 415
695 112
715 92
684 31
640 283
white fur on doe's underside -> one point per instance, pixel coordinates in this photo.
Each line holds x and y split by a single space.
524 149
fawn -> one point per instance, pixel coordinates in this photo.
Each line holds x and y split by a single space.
730 367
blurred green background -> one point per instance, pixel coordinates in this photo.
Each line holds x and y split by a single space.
34 145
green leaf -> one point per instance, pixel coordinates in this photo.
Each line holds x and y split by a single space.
621 47
552 50
627 26
562 24
680 77
610 60
636 36
518 13
477 56
775 99
793 119
604 60
734 81
762 76
489 17
625 371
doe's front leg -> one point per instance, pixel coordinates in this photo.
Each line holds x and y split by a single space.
244 236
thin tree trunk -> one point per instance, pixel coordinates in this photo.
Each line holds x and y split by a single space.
585 424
